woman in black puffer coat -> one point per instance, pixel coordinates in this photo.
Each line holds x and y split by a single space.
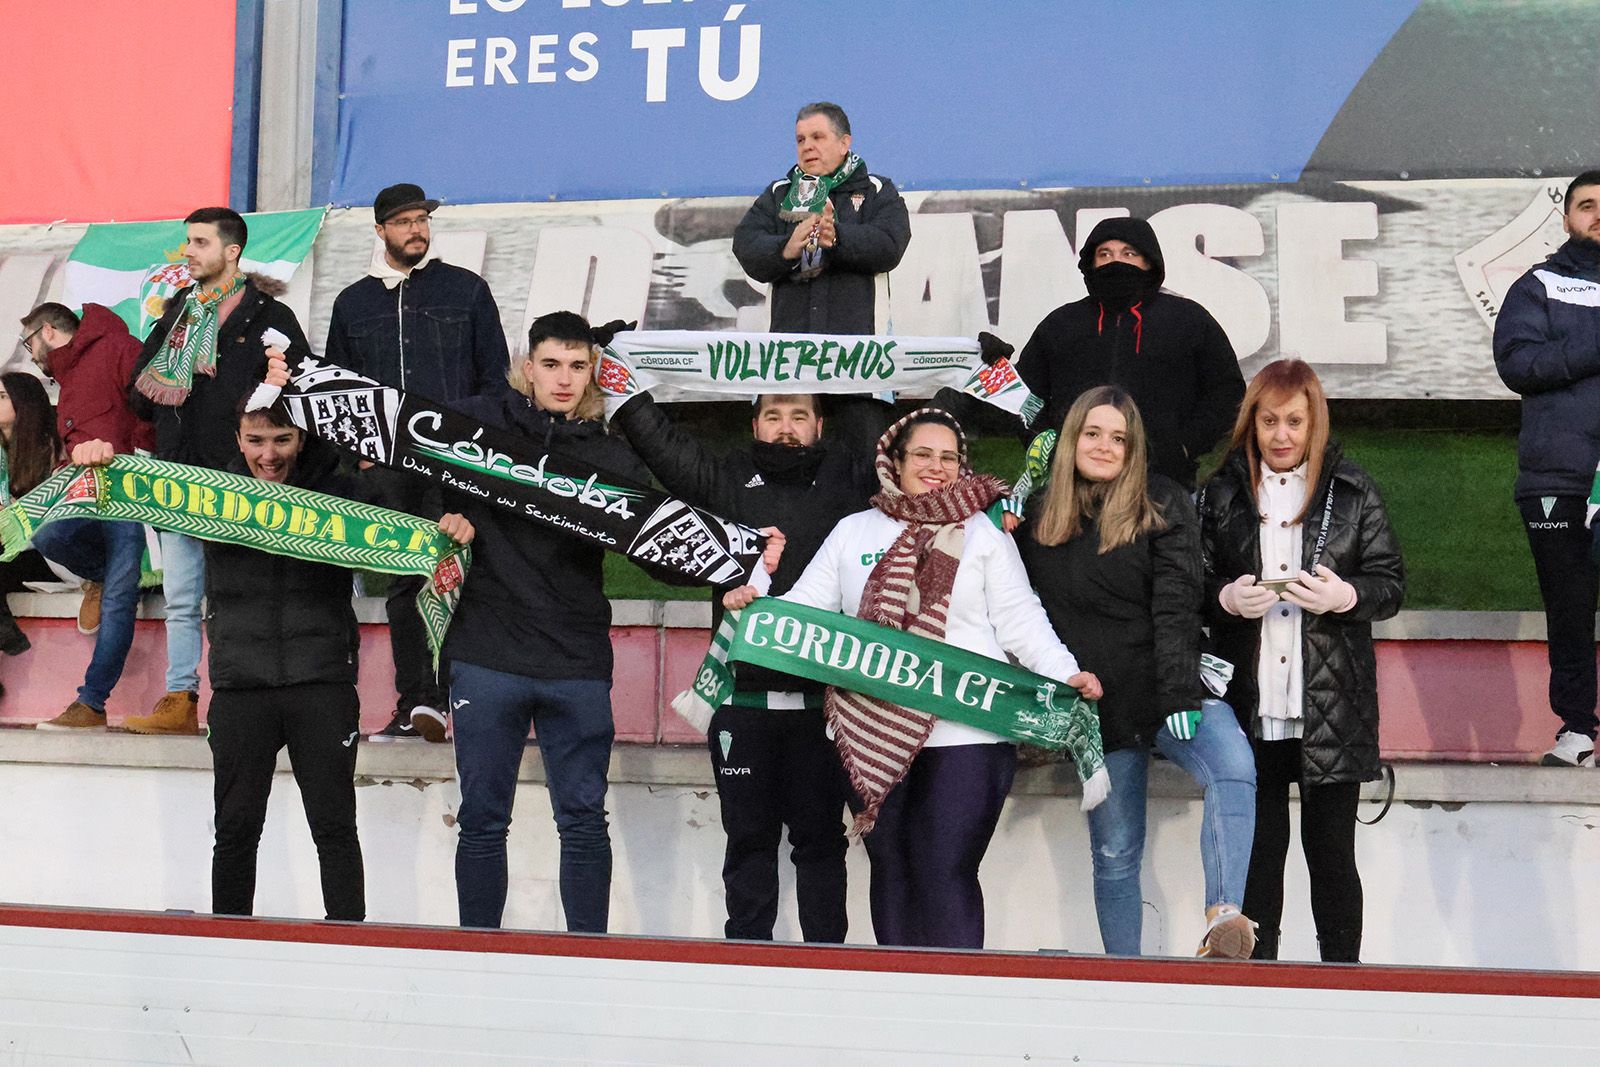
1287 507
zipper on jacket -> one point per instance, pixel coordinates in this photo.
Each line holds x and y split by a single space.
400 327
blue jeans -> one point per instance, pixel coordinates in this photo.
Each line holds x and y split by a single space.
493 711
108 553
183 582
1220 760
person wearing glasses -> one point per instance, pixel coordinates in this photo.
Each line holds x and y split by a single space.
92 359
927 560
432 328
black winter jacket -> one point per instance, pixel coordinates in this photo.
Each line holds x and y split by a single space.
1131 616
201 430
843 298
436 334
803 492
534 601
276 621
1168 353
1547 348
1340 743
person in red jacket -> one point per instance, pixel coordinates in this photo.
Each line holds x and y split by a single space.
92 358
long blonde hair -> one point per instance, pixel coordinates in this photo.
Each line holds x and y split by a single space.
1122 505
1279 381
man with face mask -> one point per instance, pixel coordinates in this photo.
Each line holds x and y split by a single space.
774 764
432 328
1167 351
1547 348
826 235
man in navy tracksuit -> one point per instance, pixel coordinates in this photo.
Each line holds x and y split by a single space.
1547 348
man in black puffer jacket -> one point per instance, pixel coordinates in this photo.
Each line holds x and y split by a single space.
1547 348
1166 350
774 763
825 269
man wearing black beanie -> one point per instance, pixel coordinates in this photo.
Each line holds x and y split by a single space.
1166 350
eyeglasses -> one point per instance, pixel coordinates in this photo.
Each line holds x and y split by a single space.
22 342
419 223
927 457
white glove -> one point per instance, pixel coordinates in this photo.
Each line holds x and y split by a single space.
1321 593
1095 790
1243 597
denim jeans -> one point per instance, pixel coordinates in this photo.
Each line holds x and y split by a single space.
183 582
493 711
1220 760
109 553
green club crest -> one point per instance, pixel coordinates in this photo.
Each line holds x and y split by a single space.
725 740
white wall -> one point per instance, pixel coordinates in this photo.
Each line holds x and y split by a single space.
1481 884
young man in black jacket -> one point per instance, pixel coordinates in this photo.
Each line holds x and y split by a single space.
204 354
283 665
1166 350
530 645
826 269
429 327
773 761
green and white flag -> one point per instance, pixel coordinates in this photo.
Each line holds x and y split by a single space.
133 267
740 364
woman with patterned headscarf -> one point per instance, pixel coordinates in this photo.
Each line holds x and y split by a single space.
927 560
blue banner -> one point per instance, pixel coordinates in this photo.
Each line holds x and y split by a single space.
532 100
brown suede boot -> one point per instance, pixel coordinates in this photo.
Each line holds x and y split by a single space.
175 713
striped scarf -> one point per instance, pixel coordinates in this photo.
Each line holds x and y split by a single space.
190 348
909 590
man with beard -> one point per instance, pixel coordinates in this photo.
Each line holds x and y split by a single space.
1167 351
431 328
773 762
92 359
1547 348
203 355
826 235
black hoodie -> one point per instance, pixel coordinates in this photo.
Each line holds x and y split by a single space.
534 602
1167 351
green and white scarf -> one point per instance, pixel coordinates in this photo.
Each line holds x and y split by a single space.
5 476
236 509
808 195
739 364
1035 471
891 665
190 348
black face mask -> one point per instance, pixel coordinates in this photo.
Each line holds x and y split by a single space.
1118 285
787 464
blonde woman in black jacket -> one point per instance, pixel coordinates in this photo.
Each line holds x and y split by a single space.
1114 553
1300 561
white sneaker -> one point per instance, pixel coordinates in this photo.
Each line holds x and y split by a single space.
1571 750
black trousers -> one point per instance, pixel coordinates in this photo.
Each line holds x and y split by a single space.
320 724
414 675
1328 838
775 769
1569 585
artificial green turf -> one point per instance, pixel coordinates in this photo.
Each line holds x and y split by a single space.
1448 494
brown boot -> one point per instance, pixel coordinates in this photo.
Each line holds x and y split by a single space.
175 713
89 608
78 716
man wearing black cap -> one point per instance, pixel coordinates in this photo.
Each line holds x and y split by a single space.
426 326
1167 351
